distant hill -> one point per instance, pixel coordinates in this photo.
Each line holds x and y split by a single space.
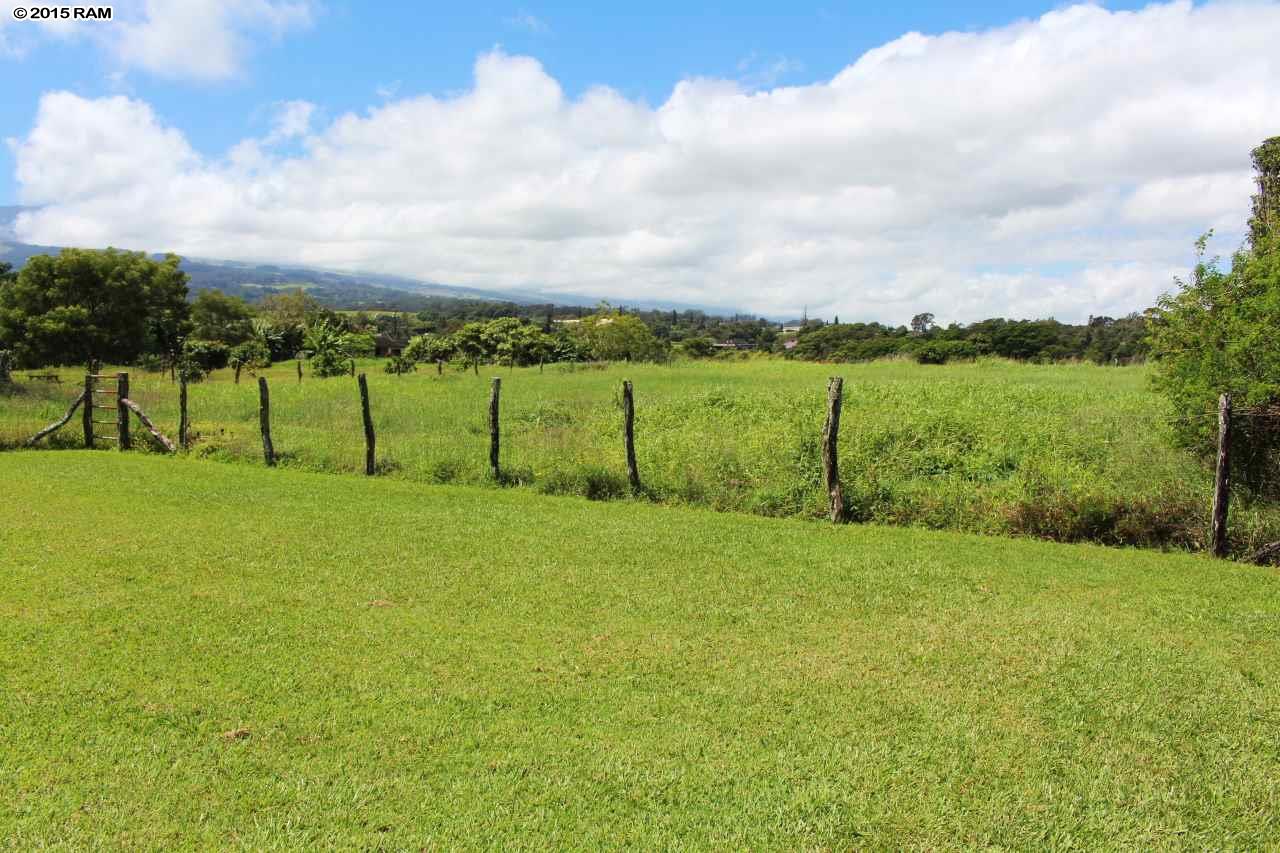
339 290
362 291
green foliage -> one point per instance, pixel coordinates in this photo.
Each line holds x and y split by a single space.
252 355
329 348
1104 340
1265 221
6 366
932 353
83 305
278 342
614 336
1218 334
399 365
697 347
470 343
217 317
206 355
942 351
361 344
289 315
429 348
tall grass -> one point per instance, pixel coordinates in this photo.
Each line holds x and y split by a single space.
1068 452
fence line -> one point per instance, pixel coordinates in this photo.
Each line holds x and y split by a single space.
1228 419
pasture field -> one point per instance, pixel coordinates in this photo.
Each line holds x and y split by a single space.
1072 452
206 655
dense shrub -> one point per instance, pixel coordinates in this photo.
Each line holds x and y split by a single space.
207 355
940 352
697 347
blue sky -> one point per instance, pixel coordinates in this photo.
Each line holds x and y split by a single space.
352 51
871 161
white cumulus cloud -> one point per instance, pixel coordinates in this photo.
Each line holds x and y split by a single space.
1056 166
191 39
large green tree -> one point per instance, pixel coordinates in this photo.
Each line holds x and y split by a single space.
82 305
1220 333
614 336
218 317
1266 201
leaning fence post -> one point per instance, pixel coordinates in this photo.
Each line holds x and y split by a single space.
494 392
368 425
264 420
629 434
184 425
88 409
1222 480
830 459
122 411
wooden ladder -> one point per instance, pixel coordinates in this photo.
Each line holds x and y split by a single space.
91 395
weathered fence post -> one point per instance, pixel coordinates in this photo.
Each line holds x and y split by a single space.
299 370
494 392
439 367
122 411
629 434
264 420
88 409
368 426
830 459
184 425
1222 480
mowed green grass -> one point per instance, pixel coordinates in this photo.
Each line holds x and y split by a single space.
411 666
1069 451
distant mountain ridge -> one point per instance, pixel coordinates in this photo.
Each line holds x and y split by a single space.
366 291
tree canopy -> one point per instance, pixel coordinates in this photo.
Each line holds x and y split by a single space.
218 317
1219 332
83 305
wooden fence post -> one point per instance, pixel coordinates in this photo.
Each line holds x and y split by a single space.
264 420
299 371
494 392
122 411
184 425
830 458
369 464
1222 480
88 409
629 434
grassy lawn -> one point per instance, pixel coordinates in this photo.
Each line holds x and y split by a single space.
1067 452
199 654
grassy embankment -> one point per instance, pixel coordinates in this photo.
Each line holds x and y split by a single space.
212 655
1070 452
